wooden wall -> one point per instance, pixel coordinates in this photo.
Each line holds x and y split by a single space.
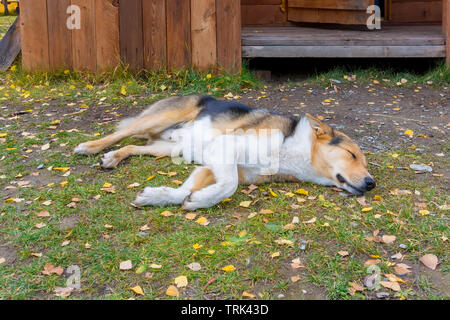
263 12
416 10
48 44
144 34
446 26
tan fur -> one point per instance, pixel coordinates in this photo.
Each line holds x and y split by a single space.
151 122
202 179
246 179
355 169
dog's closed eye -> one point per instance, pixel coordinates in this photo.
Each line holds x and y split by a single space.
353 155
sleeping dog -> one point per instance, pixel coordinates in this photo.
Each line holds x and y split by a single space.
234 144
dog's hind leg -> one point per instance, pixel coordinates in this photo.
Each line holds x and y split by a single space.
161 196
141 126
157 148
95 146
223 184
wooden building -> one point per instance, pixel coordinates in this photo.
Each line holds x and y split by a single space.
205 34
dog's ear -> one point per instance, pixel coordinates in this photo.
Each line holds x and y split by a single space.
319 127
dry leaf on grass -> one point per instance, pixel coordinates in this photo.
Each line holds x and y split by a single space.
172 291
63 292
51 269
202 221
125 265
245 204
388 239
229 268
391 285
43 214
181 281
194 266
190 216
275 254
430 261
371 262
246 294
397 256
166 213
138 290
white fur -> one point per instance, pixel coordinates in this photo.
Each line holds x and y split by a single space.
295 156
200 143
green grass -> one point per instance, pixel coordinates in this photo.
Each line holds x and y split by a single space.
245 243
5 23
119 85
436 76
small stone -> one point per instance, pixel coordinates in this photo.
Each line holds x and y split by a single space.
280 296
403 246
143 234
303 245
370 281
421 168
304 291
382 295
40 167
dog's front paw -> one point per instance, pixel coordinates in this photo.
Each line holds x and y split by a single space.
109 160
153 197
190 203
143 198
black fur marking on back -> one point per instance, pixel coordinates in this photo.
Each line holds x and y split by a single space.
214 108
336 140
292 127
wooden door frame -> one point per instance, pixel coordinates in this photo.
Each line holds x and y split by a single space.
446 26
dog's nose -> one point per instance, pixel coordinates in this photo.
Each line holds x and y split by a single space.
370 183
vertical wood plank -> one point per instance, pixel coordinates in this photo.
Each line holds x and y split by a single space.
84 51
34 35
446 27
154 34
107 34
203 33
59 36
229 51
178 33
131 34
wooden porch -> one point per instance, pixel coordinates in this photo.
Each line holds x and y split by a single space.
392 41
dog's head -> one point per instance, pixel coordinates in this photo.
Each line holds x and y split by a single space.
335 156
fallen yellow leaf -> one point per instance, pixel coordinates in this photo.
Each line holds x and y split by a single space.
245 204
172 291
229 268
181 281
302 192
138 290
